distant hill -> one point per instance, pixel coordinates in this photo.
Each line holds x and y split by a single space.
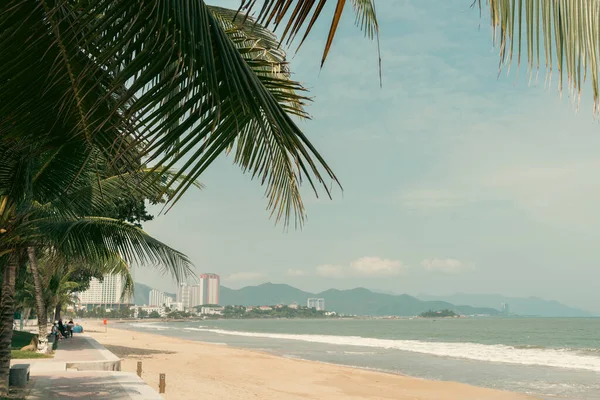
141 294
357 301
533 306
267 293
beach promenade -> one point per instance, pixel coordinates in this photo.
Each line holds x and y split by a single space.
82 368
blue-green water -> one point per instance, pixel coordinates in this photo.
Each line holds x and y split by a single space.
549 357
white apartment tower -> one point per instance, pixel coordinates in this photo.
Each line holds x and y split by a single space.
317 304
106 293
159 299
211 282
184 295
205 292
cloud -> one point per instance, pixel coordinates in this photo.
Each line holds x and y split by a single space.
364 266
376 266
297 272
245 276
329 270
431 199
447 266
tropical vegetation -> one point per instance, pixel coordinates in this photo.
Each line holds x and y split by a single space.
284 311
91 89
438 314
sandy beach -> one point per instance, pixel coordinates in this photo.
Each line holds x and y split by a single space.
208 371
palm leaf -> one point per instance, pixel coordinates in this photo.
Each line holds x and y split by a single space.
566 32
164 77
99 239
281 13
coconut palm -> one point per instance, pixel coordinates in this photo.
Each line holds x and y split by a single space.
38 215
62 278
54 279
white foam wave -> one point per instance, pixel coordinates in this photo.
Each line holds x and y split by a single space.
195 329
471 351
151 325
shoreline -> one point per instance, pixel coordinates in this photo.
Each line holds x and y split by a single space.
219 372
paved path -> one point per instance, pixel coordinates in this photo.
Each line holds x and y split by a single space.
81 353
83 369
91 385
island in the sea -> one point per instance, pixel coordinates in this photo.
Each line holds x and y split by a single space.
439 314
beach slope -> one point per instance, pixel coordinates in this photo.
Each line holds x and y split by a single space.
209 371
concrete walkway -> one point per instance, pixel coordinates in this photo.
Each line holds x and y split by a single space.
83 368
91 385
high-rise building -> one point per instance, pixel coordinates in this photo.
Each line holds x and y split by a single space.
505 309
213 282
159 299
183 295
106 293
196 295
205 292
317 304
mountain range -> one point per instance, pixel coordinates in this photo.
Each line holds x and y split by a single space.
359 301
530 306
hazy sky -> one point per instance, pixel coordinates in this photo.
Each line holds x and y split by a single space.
454 180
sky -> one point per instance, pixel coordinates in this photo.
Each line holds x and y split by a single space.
456 179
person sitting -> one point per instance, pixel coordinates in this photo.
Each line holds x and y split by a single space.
62 328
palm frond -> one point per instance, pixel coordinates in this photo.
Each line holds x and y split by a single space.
196 94
118 266
97 196
280 12
97 264
99 239
566 32
163 77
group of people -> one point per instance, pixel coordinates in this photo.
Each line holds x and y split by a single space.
60 330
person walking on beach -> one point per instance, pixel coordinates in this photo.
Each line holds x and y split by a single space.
70 326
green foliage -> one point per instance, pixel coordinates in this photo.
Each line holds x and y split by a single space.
101 312
438 314
20 354
154 314
21 339
178 314
238 312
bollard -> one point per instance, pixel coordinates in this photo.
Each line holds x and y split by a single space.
161 383
139 369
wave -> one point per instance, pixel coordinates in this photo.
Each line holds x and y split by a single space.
151 325
471 351
201 329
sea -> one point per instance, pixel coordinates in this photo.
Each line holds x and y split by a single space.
552 358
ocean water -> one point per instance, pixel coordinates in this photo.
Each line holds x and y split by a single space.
553 358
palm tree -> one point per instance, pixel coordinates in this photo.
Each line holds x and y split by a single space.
54 279
62 278
38 215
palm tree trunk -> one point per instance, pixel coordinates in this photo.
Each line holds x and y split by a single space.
40 306
7 314
57 312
